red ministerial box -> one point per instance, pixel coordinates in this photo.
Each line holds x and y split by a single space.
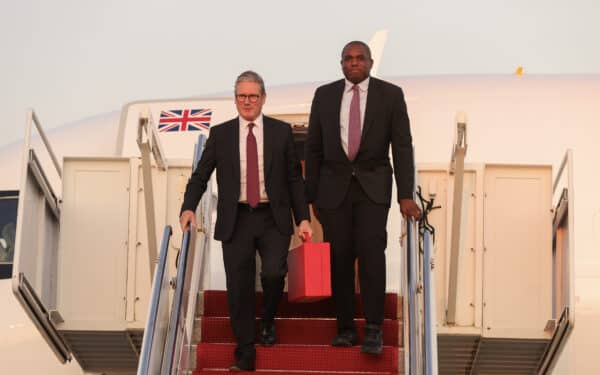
309 275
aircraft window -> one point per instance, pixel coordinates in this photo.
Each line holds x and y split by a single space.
8 226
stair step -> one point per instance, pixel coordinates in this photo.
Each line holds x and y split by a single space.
316 331
215 304
304 358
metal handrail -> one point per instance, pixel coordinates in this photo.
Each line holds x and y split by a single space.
431 360
166 355
195 274
422 335
32 118
414 322
27 275
567 162
153 343
149 144
172 344
563 327
567 165
34 164
189 280
565 323
147 136
457 168
174 354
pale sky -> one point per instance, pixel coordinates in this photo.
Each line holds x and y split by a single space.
72 59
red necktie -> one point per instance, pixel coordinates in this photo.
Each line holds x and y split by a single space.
252 193
354 124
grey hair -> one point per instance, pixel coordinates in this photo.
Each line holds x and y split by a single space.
357 43
250 76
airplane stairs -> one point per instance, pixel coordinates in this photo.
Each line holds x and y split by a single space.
304 331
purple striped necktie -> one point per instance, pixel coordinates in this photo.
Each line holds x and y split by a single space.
354 124
252 194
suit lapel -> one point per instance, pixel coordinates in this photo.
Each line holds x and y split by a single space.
373 98
268 135
338 93
234 135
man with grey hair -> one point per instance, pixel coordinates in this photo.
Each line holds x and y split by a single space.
259 181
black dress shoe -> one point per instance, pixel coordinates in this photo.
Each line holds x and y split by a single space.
244 359
345 339
373 340
242 366
266 335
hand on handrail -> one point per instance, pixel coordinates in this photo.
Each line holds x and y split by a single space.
187 220
409 208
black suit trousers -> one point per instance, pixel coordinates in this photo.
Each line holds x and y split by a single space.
357 229
255 230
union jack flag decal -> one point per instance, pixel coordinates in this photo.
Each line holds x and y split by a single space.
183 120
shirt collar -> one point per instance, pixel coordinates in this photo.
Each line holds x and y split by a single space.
362 86
258 122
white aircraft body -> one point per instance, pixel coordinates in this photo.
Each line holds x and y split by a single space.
512 120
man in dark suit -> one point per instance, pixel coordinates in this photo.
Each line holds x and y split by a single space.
352 124
259 180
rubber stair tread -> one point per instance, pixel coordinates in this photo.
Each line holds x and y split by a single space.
215 304
307 358
317 331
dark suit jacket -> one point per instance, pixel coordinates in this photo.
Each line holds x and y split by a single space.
328 170
283 176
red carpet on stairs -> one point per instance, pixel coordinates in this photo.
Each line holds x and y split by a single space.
310 331
215 304
304 331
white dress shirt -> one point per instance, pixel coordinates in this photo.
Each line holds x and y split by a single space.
363 89
258 131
